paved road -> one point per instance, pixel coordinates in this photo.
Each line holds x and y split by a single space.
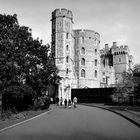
82 123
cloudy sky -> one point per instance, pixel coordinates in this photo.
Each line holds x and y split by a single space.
114 20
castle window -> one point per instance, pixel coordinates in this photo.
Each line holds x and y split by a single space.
83 50
82 61
96 42
67 59
119 59
82 39
95 74
95 51
104 79
67 47
83 73
67 35
103 73
95 62
67 71
104 62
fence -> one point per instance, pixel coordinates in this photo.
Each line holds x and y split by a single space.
93 95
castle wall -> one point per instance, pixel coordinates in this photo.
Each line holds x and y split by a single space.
90 41
121 60
79 59
62 20
107 72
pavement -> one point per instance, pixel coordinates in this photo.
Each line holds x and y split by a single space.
81 123
132 116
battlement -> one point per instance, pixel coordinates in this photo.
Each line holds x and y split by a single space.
62 13
120 50
115 50
87 33
103 51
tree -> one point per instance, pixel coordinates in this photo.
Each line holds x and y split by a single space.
23 60
125 87
136 79
129 86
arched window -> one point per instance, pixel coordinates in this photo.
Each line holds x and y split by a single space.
82 39
83 50
95 74
67 71
67 59
104 62
83 73
95 62
83 61
67 35
95 51
67 47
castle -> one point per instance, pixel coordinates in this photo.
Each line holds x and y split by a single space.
81 62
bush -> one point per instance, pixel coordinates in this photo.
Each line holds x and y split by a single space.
18 97
41 103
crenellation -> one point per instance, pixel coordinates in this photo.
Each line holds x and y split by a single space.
91 34
80 60
62 13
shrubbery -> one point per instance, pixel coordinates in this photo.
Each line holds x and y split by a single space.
26 67
41 103
18 97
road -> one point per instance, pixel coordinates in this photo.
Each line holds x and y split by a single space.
82 123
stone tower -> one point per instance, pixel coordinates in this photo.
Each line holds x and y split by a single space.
62 20
122 60
107 75
87 58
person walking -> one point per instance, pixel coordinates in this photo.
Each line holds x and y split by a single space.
75 102
69 103
61 101
57 100
65 102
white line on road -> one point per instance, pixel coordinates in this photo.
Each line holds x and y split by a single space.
6 128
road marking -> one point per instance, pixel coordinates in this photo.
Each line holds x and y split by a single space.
6 128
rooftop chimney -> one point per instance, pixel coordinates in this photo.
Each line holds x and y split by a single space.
106 47
114 43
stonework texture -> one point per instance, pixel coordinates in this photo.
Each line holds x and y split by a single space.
81 62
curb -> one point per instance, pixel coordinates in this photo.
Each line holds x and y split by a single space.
132 121
14 125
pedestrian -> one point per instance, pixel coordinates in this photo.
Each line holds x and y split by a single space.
61 101
75 102
65 101
69 103
57 100
52 100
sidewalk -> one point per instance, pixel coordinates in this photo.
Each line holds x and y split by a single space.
127 113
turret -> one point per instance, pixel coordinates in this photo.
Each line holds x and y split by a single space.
62 13
62 20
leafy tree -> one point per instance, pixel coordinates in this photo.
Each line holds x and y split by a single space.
129 86
125 87
136 79
23 60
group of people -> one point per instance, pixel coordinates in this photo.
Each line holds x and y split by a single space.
67 103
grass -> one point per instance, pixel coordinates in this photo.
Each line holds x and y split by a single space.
19 117
123 108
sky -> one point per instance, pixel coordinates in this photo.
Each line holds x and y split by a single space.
115 20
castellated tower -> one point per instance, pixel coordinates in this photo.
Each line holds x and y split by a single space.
87 58
122 60
62 20
107 75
